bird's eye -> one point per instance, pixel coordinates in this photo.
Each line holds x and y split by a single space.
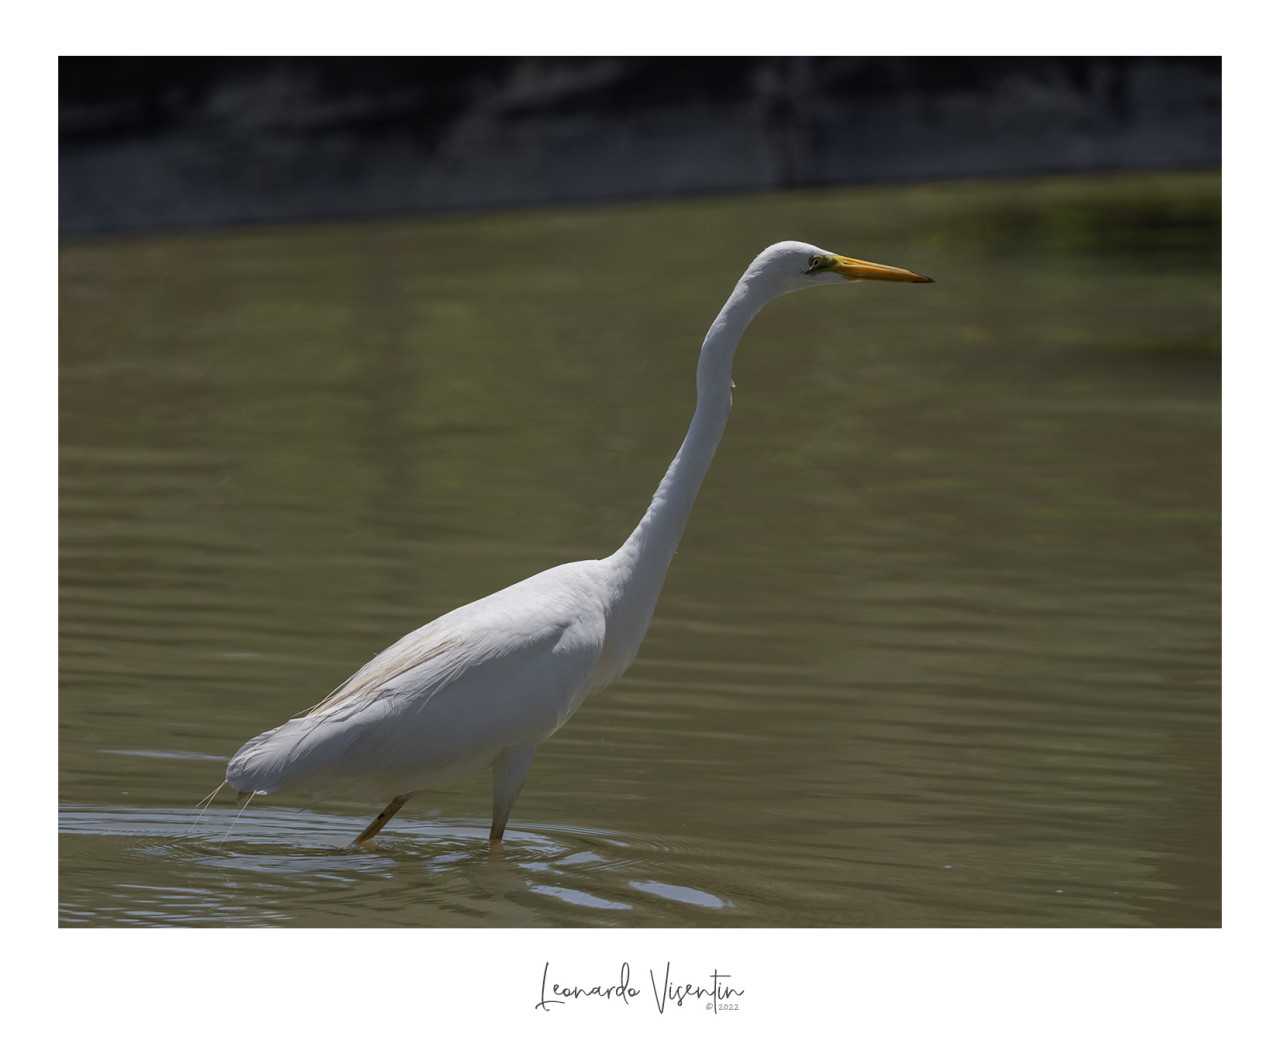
815 263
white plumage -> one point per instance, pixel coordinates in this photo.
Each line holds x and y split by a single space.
484 684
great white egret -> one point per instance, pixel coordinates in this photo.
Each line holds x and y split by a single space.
486 684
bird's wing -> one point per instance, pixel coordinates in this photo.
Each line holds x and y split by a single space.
405 654
441 703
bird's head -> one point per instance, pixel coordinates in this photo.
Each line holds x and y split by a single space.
793 266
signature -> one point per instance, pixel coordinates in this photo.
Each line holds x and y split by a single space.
715 990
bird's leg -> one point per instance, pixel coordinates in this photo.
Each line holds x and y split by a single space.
376 825
509 771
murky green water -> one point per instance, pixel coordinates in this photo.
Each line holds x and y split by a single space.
940 648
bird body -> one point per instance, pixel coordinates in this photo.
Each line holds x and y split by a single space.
440 704
486 683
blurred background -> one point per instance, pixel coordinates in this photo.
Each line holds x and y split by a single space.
347 343
159 143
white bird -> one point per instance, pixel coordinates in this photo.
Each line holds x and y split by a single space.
486 684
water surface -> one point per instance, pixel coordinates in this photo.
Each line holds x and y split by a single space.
940 647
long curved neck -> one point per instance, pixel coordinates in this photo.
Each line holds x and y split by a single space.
640 564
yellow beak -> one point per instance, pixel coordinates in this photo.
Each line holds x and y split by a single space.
853 269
